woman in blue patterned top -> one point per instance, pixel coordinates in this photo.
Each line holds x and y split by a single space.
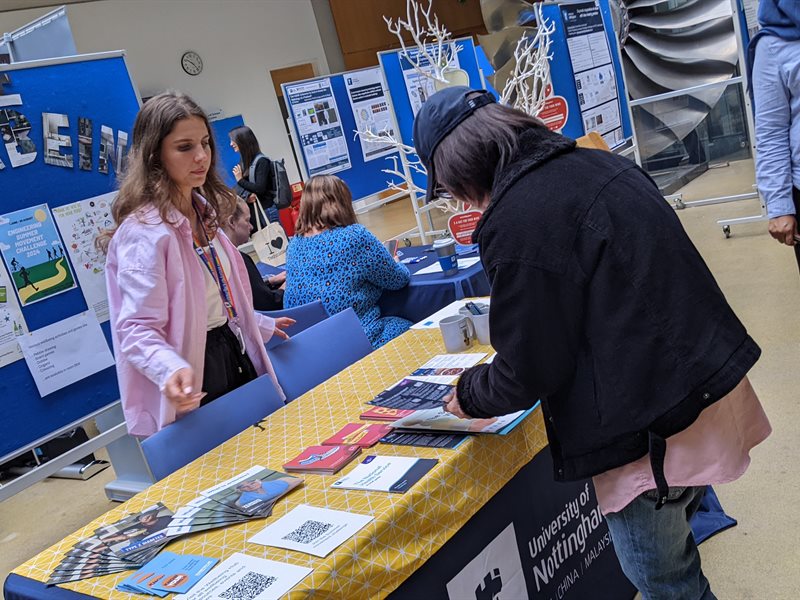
334 259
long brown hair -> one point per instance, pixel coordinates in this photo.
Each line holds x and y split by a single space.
326 203
145 180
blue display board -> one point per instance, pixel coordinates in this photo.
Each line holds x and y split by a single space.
563 75
227 158
394 65
97 87
330 94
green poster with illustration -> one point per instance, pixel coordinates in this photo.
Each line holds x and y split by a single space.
34 254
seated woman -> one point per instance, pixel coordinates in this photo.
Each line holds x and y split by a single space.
335 260
266 295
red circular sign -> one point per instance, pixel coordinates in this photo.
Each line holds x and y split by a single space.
554 113
462 225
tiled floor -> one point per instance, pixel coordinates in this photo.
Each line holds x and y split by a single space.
758 559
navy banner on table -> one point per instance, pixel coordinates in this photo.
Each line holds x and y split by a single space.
534 539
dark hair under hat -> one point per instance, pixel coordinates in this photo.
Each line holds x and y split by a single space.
439 115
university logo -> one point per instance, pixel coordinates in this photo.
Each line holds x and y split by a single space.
494 574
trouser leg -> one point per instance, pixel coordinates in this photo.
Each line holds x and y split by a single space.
656 548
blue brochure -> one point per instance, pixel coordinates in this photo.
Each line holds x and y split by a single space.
168 573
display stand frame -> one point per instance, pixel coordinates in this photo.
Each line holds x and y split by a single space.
108 417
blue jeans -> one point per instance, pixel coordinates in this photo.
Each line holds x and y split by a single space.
656 548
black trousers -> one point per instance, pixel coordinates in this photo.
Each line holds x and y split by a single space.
226 367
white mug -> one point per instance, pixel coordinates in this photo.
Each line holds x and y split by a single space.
480 323
457 332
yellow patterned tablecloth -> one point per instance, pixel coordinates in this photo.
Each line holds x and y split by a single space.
407 528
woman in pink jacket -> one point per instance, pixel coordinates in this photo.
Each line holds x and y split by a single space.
183 324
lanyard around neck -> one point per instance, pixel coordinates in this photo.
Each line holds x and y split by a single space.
214 266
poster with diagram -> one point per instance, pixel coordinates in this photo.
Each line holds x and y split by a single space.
34 254
12 323
369 101
595 81
80 223
319 128
419 86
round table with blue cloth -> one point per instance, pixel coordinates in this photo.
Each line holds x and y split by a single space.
429 293
426 293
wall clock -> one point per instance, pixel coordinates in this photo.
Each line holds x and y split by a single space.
192 63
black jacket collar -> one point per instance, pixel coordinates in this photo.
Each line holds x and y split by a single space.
537 145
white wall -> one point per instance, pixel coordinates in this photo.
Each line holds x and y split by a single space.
240 41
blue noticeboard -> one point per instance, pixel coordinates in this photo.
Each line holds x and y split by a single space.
337 132
394 65
227 158
563 75
97 87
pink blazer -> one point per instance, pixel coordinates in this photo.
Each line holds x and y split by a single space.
156 293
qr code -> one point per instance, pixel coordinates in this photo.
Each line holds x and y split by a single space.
308 532
248 587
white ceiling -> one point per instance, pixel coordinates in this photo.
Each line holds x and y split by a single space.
9 5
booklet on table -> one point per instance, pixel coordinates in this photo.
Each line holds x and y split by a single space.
382 413
248 495
386 474
411 394
324 460
359 434
121 546
422 439
168 573
436 419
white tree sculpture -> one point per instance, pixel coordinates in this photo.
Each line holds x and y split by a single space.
414 166
526 86
432 41
435 56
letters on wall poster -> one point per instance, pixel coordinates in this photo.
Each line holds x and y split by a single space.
57 143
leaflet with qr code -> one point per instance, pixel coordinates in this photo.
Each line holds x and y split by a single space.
248 587
244 577
316 531
308 532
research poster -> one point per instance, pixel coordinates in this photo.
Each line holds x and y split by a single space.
12 323
80 223
595 80
419 86
319 128
34 254
369 101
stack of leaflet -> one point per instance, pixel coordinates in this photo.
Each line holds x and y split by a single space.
122 546
168 573
248 495
413 394
323 460
437 420
425 389
338 450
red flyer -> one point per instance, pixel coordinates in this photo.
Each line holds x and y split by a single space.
360 434
461 225
382 413
325 460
